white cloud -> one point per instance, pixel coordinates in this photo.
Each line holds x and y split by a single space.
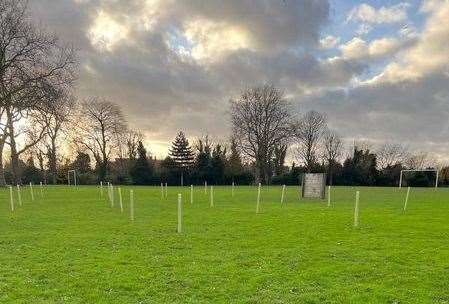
329 42
357 48
429 54
367 14
383 46
212 40
105 32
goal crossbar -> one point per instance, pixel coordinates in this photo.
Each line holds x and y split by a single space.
419 170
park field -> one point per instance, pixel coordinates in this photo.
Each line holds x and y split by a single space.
70 246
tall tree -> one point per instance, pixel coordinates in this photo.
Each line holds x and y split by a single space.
333 148
361 169
142 171
235 165
98 124
203 157
260 117
81 163
3 137
54 118
133 138
280 152
308 133
31 62
181 153
218 163
33 133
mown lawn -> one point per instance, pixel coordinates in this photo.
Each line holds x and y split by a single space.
70 246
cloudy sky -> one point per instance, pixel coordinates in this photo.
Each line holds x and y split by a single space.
378 69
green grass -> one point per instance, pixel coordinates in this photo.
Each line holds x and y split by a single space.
72 247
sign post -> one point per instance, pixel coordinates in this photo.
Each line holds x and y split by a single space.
314 185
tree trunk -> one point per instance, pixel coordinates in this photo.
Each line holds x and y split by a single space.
261 175
52 163
103 169
2 169
15 167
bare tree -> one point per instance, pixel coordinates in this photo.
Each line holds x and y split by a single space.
39 152
32 133
98 123
132 142
420 160
332 150
391 154
31 61
3 138
280 152
127 149
54 117
308 134
261 117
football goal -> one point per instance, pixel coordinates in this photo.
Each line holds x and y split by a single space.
71 177
401 177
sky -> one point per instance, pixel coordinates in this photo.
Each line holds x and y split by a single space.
379 70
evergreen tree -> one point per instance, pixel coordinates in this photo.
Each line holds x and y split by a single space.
141 172
218 163
169 171
181 153
30 172
360 169
280 152
202 160
81 163
235 165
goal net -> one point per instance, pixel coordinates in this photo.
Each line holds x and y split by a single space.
71 177
419 178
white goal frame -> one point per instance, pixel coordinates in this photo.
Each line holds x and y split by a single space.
74 177
419 170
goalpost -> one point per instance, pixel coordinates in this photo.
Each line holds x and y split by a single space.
73 172
419 170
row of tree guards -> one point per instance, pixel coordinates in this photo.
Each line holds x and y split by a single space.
19 195
164 193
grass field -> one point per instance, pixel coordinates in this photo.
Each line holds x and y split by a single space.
71 247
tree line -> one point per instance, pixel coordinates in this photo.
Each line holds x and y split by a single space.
45 130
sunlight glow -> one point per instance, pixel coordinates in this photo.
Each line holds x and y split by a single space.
105 32
212 40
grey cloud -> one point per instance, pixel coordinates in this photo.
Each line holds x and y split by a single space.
274 24
414 113
161 91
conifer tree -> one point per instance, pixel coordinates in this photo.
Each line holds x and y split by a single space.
203 159
141 172
235 165
182 154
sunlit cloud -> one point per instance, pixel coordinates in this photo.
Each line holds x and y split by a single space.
212 40
105 32
329 42
367 13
